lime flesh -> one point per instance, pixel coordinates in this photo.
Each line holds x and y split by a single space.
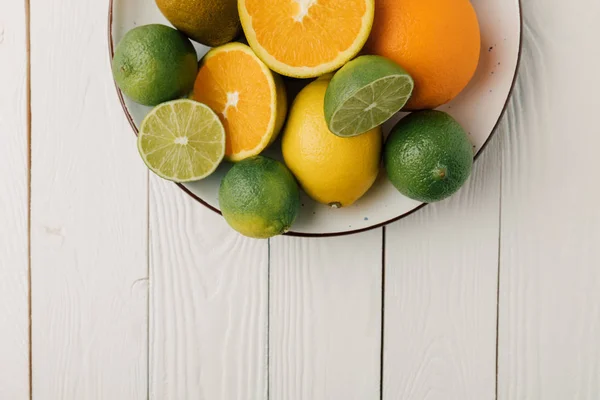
182 141
364 94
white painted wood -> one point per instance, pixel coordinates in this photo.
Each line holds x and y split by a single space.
14 309
209 286
325 317
441 290
208 327
89 215
550 261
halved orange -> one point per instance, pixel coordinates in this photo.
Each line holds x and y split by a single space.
306 38
248 98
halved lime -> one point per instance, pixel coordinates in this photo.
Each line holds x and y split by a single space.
364 94
182 141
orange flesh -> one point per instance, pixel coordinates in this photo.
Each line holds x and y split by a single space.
306 33
234 86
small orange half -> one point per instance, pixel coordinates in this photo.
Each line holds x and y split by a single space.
248 98
306 38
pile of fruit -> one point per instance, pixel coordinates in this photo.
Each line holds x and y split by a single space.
370 58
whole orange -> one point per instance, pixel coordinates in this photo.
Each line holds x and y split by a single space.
437 41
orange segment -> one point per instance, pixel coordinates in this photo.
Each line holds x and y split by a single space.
246 96
306 38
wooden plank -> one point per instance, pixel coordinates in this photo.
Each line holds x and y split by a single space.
89 215
441 292
14 308
325 317
549 333
208 327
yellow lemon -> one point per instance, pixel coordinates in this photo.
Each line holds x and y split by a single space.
331 169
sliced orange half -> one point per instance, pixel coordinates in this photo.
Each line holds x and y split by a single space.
306 38
248 98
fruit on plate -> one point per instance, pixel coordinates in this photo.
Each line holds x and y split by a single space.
182 141
306 38
437 41
249 99
210 22
259 198
416 54
154 64
428 156
332 170
364 94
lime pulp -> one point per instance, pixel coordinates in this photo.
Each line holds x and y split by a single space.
364 94
182 141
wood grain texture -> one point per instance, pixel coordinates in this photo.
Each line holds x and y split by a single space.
89 215
14 309
325 317
549 345
441 290
208 326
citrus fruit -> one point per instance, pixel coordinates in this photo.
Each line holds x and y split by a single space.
364 94
154 64
306 38
249 99
259 198
182 141
436 41
332 170
428 156
210 22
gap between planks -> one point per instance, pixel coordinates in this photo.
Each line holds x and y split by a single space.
498 279
382 340
27 6
148 279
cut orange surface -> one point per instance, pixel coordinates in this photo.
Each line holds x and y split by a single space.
248 98
306 38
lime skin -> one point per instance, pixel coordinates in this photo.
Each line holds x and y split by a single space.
154 64
428 156
259 198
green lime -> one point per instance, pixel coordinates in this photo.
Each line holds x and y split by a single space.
154 64
428 156
182 141
259 198
364 94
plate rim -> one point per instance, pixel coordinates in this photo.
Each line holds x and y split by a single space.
329 234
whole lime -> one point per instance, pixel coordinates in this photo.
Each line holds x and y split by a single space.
259 198
428 156
154 64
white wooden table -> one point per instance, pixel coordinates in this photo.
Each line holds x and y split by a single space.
115 285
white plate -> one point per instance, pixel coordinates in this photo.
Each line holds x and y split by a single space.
478 109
